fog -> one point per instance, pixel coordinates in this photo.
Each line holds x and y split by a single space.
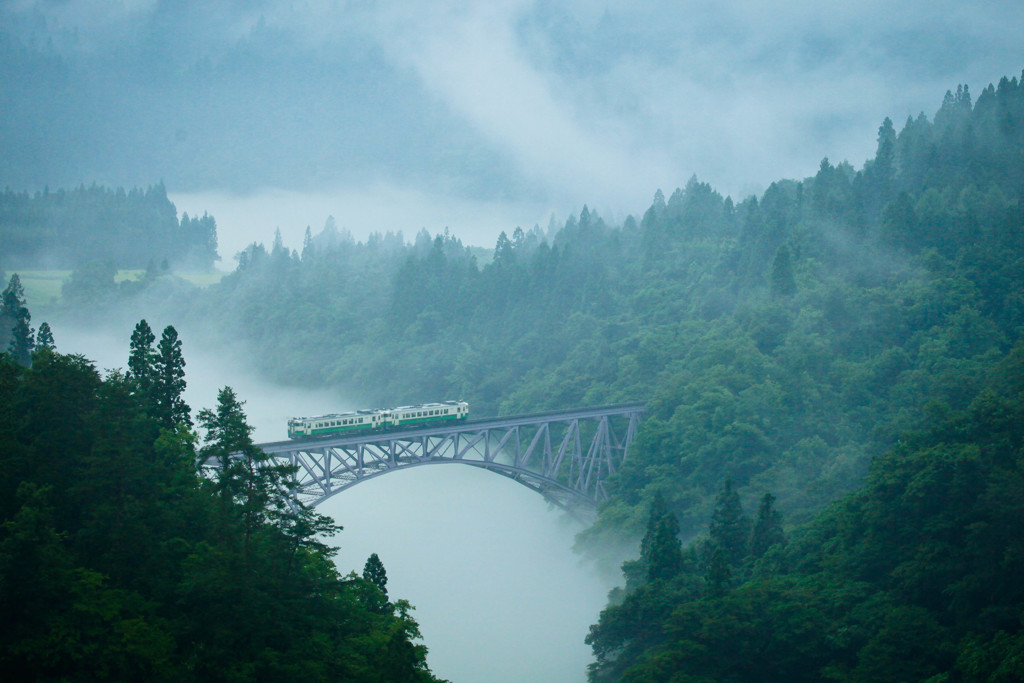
498 592
244 218
478 116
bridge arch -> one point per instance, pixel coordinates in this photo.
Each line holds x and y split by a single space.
554 491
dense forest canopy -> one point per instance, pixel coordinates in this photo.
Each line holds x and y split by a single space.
124 557
75 228
915 576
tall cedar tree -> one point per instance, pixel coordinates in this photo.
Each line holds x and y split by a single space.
376 593
664 557
718 576
44 338
660 548
373 571
142 363
783 282
170 382
730 527
767 528
14 321
246 476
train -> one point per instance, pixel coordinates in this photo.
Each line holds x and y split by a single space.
377 420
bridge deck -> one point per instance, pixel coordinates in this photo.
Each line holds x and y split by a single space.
452 427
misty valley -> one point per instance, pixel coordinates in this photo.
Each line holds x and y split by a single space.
816 472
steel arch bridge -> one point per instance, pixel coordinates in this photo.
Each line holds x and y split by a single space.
565 456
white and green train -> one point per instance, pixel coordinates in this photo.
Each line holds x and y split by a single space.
377 420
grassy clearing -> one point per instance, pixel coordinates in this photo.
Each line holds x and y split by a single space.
43 287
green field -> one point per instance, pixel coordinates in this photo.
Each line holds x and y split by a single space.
43 287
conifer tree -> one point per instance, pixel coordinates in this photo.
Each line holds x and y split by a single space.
661 555
14 322
44 337
142 360
730 527
374 572
783 283
718 576
246 476
767 528
665 559
171 408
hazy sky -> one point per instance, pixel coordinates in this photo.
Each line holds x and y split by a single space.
506 107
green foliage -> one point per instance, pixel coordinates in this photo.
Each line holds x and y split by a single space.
169 380
729 531
767 529
83 226
142 362
119 561
90 284
913 577
373 571
15 334
44 337
784 340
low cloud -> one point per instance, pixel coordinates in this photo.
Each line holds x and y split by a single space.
514 101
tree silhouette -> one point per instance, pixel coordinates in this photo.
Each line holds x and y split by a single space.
44 337
171 408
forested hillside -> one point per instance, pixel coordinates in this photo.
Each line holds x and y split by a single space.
121 560
915 576
851 331
75 228
783 341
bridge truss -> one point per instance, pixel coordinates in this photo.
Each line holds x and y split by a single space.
564 456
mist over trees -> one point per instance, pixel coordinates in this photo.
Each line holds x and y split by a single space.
849 340
84 227
16 337
782 341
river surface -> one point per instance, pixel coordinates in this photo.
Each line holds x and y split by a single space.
498 592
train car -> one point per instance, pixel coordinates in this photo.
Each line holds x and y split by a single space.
427 414
403 417
336 424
